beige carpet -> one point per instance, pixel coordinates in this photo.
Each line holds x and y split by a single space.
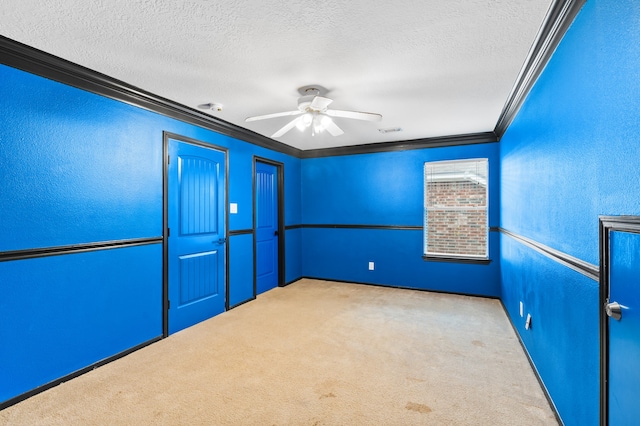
315 353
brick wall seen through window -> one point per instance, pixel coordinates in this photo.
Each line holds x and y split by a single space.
456 208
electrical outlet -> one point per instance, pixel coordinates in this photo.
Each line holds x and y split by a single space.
371 266
521 309
527 324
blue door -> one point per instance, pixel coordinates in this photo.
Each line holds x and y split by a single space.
266 227
196 242
623 309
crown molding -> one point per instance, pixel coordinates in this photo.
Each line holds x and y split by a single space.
559 18
34 61
436 142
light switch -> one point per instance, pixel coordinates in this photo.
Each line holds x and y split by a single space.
233 208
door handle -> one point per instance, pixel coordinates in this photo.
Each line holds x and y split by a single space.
614 310
275 233
220 241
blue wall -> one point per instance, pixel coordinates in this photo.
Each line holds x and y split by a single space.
62 313
80 168
571 154
387 189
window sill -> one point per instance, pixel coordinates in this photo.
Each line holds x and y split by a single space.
453 259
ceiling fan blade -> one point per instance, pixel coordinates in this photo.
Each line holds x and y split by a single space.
366 116
277 114
320 103
333 128
290 125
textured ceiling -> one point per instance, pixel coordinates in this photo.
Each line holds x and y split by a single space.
431 67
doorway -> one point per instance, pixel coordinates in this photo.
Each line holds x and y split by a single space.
619 320
195 232
268 224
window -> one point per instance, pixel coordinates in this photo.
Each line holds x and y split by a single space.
456 209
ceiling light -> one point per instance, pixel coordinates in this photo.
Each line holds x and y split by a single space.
304 121
318 127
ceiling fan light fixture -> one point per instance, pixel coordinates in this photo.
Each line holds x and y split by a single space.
304 121
317 127
313 111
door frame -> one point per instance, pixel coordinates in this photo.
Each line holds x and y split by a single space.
165 219
607 224
281 228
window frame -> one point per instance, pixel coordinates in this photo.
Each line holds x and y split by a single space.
454 257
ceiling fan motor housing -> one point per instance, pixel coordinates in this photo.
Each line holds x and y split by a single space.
304 102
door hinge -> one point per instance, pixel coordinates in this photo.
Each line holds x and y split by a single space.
168 232
168 159
168 304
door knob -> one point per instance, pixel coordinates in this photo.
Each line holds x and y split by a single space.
221 241
614 310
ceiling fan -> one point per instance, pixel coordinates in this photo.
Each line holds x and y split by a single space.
313 112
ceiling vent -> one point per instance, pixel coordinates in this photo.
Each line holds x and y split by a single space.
390 130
